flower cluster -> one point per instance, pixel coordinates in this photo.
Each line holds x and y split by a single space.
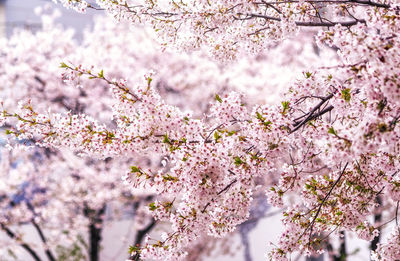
228 27
332 141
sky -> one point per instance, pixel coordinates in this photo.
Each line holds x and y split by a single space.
20 13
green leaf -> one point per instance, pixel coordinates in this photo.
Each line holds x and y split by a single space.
231 133
238 161
152 206
166 139
63 65
100 74
286 107
135 169
11 253
133 249
259 116
346 94
272 146
332 131
365 103
170 178
217 136
218 98
262 119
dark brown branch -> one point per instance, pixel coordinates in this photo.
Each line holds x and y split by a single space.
368 3
220 192
140 236
251 16
311 225
342 248
273 7
377 219
212 131
227 187
393 122
142 232
300 23
23 245
313 113
331 254
95 229
316 115
397 216
317 12
48 252
95 8
313 171
329 24
381 105
38 79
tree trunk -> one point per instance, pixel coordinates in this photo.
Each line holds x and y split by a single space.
95 229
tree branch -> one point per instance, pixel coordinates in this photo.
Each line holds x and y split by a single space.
312 114
95 229
142 232
311 225
140 236
301 23
369 3
48 252
22 244
342 248
42 237
377 219
220 192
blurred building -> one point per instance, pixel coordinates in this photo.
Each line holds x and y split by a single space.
20 14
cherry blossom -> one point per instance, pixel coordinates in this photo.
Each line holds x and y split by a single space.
326 151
